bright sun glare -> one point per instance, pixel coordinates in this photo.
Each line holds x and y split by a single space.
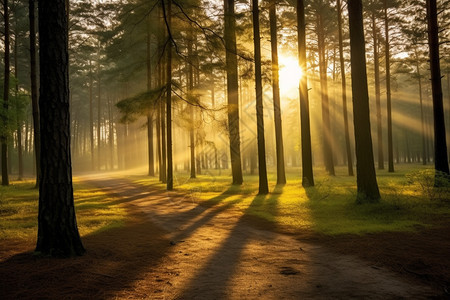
290 73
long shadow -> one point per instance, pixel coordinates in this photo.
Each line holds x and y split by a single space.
217 272
114 260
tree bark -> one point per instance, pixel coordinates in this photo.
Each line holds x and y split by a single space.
307 170
365 170
263 185
57 227
440 144
151 163
232 91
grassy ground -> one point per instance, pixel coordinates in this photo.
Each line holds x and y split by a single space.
19 209
409 202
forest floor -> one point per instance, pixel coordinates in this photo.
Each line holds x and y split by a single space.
172 247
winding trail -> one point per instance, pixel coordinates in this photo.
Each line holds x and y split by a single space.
214 253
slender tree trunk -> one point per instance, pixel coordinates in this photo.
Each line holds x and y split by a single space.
191 108
365 169
151 163
99 118
57 227
307 170
4 134
232 91
167 19
344 92
281 173
424 152
440 144
19 121
91 114
327 144
376 64
34 90
263 186
388 88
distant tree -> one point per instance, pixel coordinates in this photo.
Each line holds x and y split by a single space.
4 131
440 145
263 186
307 170
232 91
281 173
57 227
365 170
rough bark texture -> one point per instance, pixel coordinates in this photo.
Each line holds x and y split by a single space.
440 145
281 173
232 91
4 139
388 89
263 186
344 92
307 170
365 169
57 227
34 90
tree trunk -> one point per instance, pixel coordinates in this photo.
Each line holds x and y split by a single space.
91 114
191 107
4 134
168 18
388 89
232 91
99 117
57 227
440 144
281 173
424 152
365 169
307 170
151 163
376 66
263 186
19 121
344 92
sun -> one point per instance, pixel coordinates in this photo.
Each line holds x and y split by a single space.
290 74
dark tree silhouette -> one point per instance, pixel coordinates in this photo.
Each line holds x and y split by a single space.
263 186
440 145
307 170
57 227
365 169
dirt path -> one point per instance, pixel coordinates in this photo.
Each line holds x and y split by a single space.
214 253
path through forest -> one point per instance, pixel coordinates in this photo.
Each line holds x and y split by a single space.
214 253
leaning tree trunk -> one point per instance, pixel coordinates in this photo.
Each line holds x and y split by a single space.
232 91
307 169
344 92
365 169
263 186
440 144
57 227
4 134
281 173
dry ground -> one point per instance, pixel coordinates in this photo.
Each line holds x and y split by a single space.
173 248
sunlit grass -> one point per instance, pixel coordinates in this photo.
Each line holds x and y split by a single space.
327 208
19 209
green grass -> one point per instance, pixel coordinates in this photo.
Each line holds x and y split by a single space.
329 207
19 209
